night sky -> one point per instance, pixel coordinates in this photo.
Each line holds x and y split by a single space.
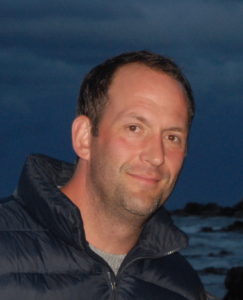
46 47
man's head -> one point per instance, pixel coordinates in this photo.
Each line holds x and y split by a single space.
143 116
93 95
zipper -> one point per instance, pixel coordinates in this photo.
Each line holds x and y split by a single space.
122 268
112 280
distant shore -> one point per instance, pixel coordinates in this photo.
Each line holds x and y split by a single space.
214 210
210 210
215 251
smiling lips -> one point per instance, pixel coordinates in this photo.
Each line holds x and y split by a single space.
145 179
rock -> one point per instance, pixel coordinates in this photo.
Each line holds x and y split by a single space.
239 206
213 270
238 214
193 208
220 253
234 284
238 209
237 226
207 229
227 211
210 210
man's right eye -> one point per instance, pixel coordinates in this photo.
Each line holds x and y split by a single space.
133 128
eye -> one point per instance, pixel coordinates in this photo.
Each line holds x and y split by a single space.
174 138
134 128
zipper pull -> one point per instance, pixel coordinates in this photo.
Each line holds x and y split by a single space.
112 281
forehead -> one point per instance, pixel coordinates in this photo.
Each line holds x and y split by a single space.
138 75
138 88
141 81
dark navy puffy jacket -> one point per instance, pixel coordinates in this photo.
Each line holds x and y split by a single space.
44 254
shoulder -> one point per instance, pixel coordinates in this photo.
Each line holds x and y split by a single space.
17 227
20 237
14 217
183 277
173 273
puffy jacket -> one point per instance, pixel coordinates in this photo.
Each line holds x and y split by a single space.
44 254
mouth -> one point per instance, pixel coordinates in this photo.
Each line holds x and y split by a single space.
145 179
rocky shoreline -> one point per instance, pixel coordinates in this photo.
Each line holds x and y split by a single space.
233 277
210 210
236 226
214 210
233 281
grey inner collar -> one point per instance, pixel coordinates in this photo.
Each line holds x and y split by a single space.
113 260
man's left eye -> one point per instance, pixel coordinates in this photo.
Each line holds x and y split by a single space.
173 138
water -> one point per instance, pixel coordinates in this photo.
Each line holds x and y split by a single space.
212 249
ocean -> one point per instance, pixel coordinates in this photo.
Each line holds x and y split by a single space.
218 251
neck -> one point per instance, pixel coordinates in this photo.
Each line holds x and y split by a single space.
110 235
104 229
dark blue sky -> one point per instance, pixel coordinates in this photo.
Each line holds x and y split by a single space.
46 47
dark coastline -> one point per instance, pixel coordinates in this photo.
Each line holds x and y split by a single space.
210 210
232 278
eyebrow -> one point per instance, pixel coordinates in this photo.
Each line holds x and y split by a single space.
178 129
139 118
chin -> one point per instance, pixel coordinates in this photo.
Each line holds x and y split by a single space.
139 207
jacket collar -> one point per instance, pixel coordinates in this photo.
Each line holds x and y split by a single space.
160 237
38 192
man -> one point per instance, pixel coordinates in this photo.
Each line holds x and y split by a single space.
99 230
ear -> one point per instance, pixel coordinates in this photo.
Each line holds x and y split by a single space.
81 136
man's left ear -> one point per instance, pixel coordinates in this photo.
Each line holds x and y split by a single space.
81 136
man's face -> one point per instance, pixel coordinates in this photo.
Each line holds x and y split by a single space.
140 148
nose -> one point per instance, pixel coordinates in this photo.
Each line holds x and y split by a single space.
153 151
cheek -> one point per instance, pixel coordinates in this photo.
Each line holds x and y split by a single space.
121 149
175 160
